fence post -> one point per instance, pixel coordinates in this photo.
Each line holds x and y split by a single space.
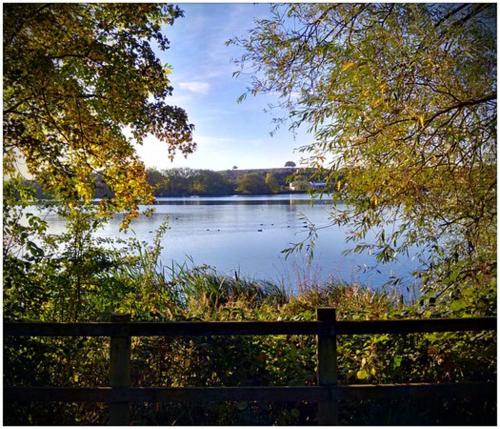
327 366
119 373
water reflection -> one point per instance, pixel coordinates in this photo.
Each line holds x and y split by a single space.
285 199
248 234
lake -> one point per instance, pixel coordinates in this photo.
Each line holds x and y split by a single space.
246 234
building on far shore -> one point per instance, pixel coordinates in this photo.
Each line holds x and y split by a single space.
304 186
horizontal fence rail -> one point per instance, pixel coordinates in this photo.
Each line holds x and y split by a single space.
253 393
326 393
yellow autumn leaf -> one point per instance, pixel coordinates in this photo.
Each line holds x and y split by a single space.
421 120
361 375
167 69
347 66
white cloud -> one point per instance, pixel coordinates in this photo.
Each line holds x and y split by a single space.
182 100
195 86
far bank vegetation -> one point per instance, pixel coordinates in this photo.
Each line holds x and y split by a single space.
178 182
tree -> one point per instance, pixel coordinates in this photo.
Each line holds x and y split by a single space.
82 84
207 182
235 167
271 182
158 181
401 99
251 183
179 181
215 183
290 164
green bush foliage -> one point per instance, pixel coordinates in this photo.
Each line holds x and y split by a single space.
96 280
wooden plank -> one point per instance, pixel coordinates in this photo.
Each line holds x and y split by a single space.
327 366
407 326
108 329
254 393
154 394
58 394
415 390
119 372
161 328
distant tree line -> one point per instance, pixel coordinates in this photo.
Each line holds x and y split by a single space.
186 181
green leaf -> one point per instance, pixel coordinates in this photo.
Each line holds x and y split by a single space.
362 374
397 361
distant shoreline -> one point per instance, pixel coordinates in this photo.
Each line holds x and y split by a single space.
314 197
234 194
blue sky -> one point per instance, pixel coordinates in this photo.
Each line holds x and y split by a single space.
228 133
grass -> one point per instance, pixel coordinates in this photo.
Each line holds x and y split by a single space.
137 283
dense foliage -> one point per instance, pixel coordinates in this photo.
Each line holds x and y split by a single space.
252 184
401 99
186 181
130 279
401 96
81 85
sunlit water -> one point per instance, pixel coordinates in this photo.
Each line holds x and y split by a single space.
247 235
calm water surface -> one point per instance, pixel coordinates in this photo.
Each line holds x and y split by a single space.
223 232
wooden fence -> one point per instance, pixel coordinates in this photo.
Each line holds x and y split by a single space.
326 393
